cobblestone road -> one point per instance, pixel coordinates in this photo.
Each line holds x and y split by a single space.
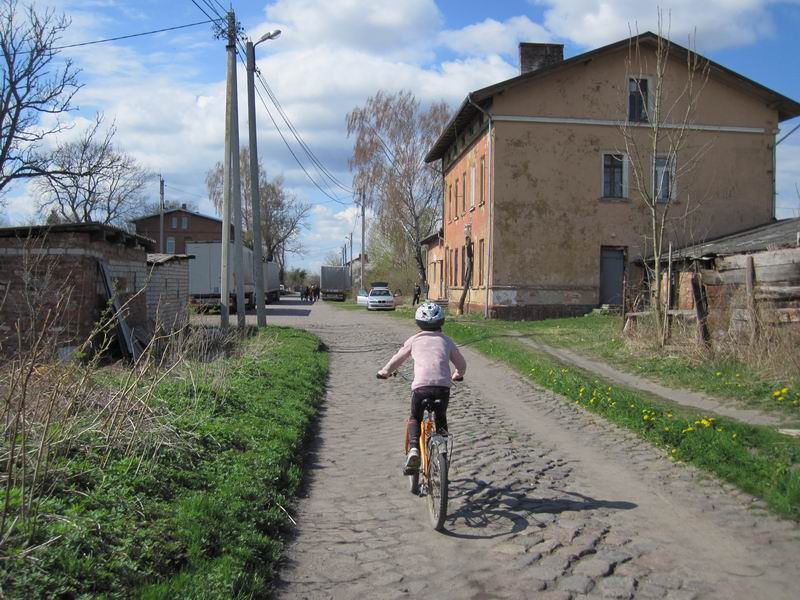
547 501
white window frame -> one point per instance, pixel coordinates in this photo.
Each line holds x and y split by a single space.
472 187
625 162
659 170
184 222
650 79
170 242
174 222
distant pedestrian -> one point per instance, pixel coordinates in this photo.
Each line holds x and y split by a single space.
416 295
302 293
316 292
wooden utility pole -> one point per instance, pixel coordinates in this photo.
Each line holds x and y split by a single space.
161 214
224 292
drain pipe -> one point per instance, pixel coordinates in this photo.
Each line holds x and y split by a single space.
489 246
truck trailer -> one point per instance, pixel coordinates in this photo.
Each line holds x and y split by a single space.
334 283
205 277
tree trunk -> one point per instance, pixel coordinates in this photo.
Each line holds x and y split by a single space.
467 278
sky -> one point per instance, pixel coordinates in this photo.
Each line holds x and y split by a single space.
166 92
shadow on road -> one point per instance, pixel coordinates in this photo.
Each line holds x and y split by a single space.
493 512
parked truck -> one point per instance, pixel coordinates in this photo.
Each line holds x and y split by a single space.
334 282
205 278
272 282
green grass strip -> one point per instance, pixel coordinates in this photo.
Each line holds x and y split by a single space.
204 520
756 459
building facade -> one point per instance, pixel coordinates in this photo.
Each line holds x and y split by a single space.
181 226
537 177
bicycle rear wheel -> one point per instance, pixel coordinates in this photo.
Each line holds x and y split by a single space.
437 487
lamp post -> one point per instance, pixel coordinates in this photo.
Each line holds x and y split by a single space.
468 275
255 195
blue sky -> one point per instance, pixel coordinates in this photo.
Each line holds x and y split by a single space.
166 91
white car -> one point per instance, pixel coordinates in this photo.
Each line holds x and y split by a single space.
362 297
380 299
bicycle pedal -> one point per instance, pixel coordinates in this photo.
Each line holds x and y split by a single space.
410 470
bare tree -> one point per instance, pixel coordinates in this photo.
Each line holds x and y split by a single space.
392 136
95 181
37 88
656 137
283 215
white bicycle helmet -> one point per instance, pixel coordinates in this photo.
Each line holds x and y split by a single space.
430 316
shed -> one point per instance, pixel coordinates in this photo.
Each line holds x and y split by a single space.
56 280
167 291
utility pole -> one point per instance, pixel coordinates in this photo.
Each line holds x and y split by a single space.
238 242
363 230
161 214
255 196
224 295
351 259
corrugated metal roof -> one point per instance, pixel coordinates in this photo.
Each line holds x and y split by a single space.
780 234
157 258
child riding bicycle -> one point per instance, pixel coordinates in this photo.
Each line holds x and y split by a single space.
432 352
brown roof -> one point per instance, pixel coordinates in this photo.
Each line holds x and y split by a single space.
172 210
786 107
108 233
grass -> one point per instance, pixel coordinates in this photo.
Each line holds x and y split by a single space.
756 459
206 517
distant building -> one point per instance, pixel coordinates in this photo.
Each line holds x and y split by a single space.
181 226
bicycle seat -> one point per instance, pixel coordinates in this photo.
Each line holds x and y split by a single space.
430 403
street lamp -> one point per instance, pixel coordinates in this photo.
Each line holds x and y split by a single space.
261 314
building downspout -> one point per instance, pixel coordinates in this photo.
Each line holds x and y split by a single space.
489 250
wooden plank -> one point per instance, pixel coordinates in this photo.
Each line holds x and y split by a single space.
701 311
778 292
786 256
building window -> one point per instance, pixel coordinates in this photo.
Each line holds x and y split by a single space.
170 245
472 187
463 266
464 192
184 222
615 184
450 202
455 212
480 263
455 268
638 96
665 175
481 181
174 222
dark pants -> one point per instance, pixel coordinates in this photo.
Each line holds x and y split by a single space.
432 392
416 299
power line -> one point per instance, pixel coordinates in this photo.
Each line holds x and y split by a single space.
202 10
125 37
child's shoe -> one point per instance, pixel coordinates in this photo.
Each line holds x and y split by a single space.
412 462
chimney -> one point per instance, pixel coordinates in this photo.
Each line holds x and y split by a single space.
183 206
533 57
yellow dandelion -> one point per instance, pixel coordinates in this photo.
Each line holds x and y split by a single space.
669 415
646 417
674 450
718 373
776 393
734 435
785 391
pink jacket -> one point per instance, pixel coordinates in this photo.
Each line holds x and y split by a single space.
432 352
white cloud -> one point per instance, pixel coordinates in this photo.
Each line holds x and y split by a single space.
494 37
718 23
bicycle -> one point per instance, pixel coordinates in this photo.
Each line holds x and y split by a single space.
431 479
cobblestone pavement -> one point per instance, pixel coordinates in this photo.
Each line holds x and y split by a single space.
547 501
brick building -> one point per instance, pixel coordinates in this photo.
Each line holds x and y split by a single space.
533 170
52 274
181 226
435 258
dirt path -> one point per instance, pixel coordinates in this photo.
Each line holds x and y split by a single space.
548 501
679 396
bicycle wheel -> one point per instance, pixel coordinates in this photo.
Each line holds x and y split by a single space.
437 487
